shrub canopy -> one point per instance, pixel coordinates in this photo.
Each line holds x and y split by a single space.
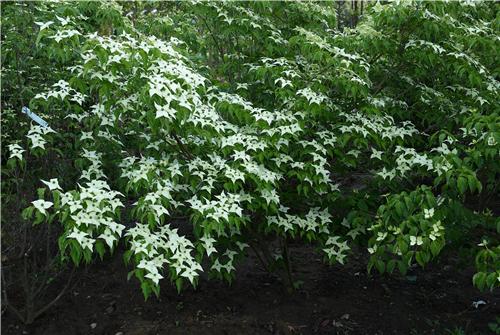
197 131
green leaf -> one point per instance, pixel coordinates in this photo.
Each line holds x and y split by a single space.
462 184
76 255
178 284
435 247
41 192
370 264
146 289
403 267
400 210
380 265
391 265
403 245
99 246
491 279
479 280
472 182
419 257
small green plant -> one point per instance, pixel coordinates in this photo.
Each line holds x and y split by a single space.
494 326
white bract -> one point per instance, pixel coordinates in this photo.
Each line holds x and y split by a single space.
41 205
16 151
52 184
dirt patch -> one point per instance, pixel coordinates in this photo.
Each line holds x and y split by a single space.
332 300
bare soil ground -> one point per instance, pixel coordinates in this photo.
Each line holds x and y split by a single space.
332 300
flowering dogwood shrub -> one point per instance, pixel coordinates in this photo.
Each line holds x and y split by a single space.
203 131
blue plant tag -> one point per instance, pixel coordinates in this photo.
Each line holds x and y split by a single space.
34 117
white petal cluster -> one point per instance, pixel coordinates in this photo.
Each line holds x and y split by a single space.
382 126
336 250
65 34
16 151
36 136
316 220
61 90
221 208
92 211
164 246
311 96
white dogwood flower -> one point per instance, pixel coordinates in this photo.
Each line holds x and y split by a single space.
416 240
16 151
42 205
165 111
270 196
387 173
376 154
44 25
108 237
52 184
154 276
78 235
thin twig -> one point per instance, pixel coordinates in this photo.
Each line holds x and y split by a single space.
61 293
259 257
182 147
7 302
221 51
